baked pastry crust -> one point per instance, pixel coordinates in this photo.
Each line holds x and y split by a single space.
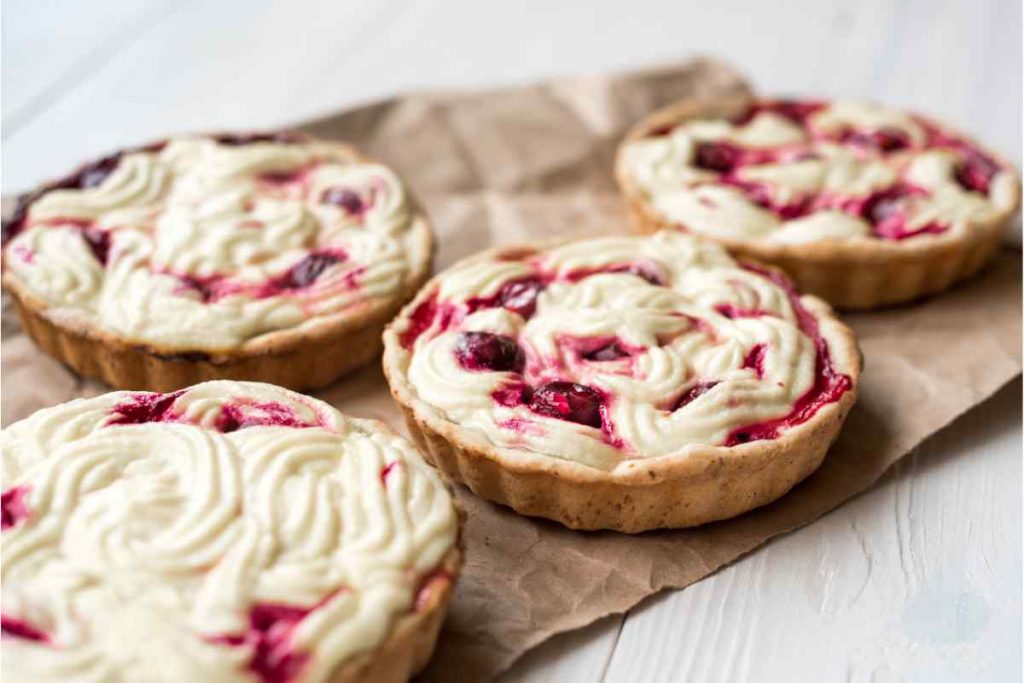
408 648
307 357
856 275
705 484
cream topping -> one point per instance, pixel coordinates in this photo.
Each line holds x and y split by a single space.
201 245
710 349
817 169
231 532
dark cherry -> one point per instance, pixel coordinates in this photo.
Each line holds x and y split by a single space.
795 110
486 351
94 174
693 393
347 199
976 172
143 408
305 272
607 352
719 157
99 243
886 207
883 139
520 296
238 139
568 401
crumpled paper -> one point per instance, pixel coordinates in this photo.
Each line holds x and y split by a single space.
510 165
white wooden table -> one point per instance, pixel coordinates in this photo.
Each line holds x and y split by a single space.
920 578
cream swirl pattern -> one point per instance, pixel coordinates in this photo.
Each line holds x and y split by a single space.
606 350
205 243
229 531
807 171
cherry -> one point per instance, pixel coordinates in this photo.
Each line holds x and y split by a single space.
720 157
976 172
520 296
568 401
693 393
486 351
883 139
13 509
99 243
95 173
306 271
143 408
347 199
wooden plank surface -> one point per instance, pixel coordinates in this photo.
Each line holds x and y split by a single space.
920 578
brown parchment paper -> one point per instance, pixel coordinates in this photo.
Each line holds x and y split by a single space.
522 163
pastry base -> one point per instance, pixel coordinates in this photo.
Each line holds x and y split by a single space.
409 646
301 362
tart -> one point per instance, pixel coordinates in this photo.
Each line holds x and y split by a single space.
271 257
625 383
863 205
230 531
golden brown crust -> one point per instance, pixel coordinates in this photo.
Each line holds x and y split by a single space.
411 642
303 358
700 485
856 275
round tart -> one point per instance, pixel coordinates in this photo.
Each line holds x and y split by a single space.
625 383
861 204
272 257
231 531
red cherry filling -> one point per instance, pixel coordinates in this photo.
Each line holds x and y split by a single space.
235 416
143 408
386 471
13 508
797 111
607 352
512 394
693 393
568 401
720 157
518 296
754 360
976 172
19 628
305 272
274 660
486 351
347 199
883 139
888 211
99 243
92 174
